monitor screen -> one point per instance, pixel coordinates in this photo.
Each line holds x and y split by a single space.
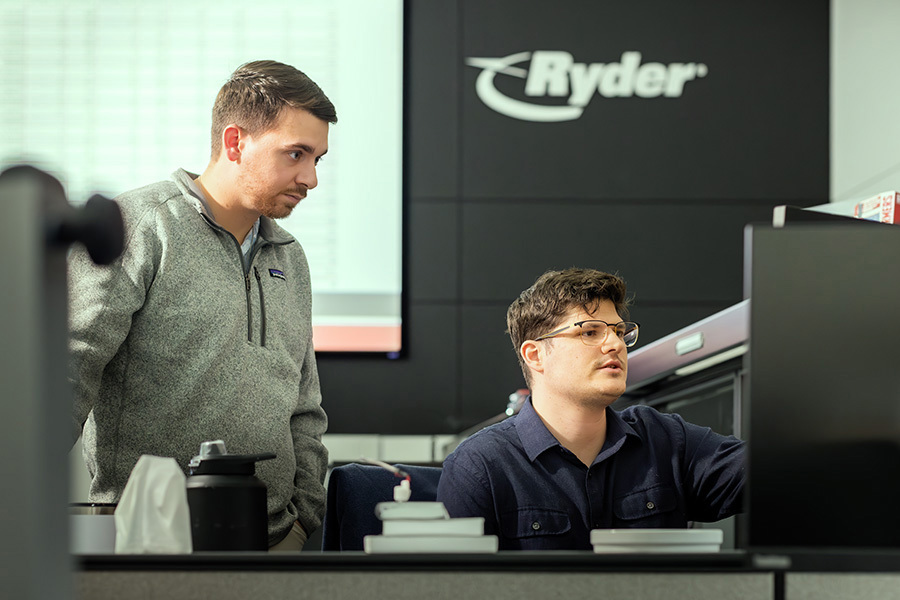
822 408
112 96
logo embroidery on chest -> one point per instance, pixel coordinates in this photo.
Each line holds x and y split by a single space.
276 273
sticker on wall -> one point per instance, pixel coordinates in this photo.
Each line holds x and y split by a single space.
555 74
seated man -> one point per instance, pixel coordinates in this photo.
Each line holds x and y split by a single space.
567 463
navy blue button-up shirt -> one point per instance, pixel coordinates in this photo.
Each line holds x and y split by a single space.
655 470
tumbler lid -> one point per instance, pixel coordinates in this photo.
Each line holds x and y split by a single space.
213 459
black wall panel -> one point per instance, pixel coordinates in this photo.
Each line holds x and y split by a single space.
432 99
489 370
656 188
732 133
675 252
433 259
417 394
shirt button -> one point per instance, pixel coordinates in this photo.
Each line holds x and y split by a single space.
651 506
535 525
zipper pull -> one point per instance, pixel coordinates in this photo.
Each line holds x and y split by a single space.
247 281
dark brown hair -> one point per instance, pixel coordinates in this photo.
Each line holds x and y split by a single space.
257 92
538 309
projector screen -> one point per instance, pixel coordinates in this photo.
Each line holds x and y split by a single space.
113 96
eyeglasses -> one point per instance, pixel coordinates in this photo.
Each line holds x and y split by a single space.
593 332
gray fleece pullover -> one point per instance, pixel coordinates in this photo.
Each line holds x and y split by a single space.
177 343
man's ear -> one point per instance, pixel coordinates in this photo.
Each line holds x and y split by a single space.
231 143
533 355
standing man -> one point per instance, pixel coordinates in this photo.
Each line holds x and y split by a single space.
568 463
202 329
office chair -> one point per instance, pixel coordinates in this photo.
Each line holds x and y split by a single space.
353 492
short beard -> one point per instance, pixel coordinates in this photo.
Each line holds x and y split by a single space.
270 207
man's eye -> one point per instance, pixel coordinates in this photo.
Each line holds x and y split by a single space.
589 332
295 155
319 159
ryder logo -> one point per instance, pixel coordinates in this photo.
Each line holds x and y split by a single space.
555 74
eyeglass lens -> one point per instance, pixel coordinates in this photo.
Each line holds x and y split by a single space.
594 332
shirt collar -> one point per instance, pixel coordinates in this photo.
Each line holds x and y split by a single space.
248 242
534 434
536 438
617 430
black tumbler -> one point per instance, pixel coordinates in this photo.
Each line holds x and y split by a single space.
227 502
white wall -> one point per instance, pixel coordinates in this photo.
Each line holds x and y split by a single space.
865 98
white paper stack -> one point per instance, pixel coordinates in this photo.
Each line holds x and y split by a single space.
417 527
656 540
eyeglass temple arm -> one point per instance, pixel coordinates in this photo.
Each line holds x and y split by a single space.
552 333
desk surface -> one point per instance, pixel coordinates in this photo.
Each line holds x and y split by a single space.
345 576
557 561
738 575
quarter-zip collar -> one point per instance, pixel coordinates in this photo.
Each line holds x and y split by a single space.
269 230
269 233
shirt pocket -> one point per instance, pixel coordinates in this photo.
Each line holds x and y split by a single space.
646 508
525 523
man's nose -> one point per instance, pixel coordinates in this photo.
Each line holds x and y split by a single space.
307 177
611 340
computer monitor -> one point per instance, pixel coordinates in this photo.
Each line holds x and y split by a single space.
821 408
